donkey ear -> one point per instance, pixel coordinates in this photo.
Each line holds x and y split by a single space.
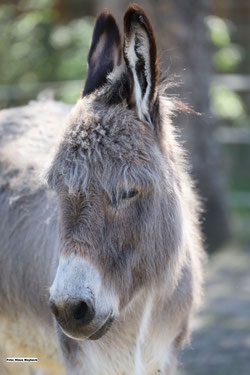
104 53
140 55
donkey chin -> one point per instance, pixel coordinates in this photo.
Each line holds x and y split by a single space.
82 307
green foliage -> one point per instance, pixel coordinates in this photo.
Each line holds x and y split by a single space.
226 103
227 55
227 59
35 47
219 31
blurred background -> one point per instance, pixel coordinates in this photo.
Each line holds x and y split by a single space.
204 47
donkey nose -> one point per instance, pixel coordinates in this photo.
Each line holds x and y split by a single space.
83 312
80 312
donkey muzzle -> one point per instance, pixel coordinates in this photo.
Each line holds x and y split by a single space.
78 320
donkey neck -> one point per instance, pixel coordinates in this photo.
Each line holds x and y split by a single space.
152 346
136 345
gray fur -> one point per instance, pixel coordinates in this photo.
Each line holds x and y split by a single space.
148 250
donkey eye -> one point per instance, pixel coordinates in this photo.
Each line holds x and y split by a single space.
128 194
123 195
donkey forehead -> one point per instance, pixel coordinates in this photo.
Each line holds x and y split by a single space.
92 118
109 130
104 143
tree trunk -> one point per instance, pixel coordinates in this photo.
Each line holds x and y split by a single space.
184 51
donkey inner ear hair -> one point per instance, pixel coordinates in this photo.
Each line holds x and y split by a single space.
140 55
105 52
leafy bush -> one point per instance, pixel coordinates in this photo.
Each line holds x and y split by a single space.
227 56
35 47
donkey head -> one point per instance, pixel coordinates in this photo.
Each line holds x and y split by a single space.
118 211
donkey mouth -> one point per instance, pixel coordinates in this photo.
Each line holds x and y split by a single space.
88 333
104 328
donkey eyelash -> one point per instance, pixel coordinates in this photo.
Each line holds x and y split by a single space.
123 196
129 194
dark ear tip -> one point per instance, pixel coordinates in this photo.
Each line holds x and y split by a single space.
134 8
105 24
135 14
106 19
105 13
104 52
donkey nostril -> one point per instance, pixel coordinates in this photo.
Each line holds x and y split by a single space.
80 311
54 308
83 313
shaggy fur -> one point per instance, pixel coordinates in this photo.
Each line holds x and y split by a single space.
147 248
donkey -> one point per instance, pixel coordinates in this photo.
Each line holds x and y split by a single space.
101 263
